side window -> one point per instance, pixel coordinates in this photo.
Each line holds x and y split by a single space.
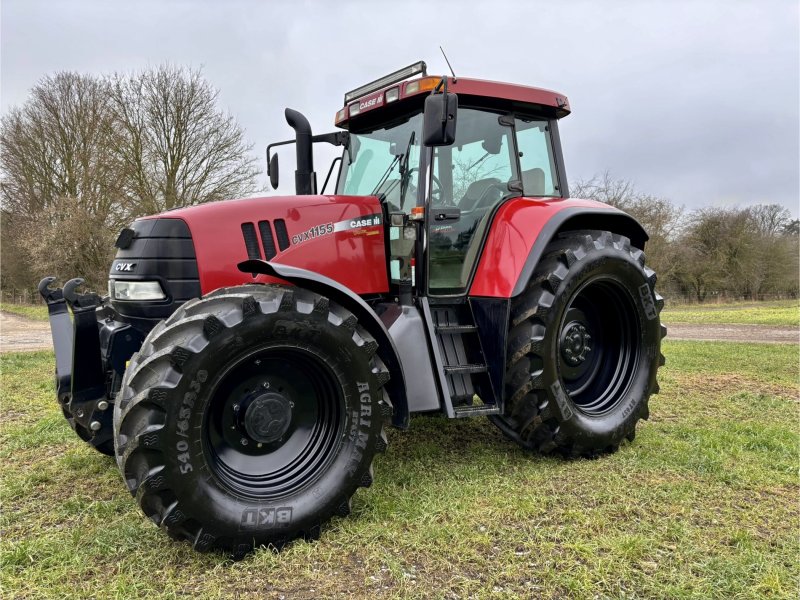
472 175
536 158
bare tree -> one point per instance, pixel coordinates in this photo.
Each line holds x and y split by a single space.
56 169
177 147
661 219
85 155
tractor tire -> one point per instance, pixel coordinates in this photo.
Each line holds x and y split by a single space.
250 417
584 347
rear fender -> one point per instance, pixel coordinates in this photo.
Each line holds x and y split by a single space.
524 227
367 317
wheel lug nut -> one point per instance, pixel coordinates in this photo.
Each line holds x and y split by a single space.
243 441
102 405
95 426
265 385
235 408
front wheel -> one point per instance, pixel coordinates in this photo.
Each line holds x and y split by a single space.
250 417
584 347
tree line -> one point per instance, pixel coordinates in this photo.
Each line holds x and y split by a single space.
748 253
85 155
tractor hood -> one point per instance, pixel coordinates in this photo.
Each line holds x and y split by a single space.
341 237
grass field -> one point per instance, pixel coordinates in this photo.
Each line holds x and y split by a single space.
781 312
704 504
37 312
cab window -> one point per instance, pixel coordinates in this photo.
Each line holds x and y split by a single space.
538 172
471 175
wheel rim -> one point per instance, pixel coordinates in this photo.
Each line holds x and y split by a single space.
273 421
597 345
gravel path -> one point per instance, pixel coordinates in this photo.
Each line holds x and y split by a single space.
733 333
20 334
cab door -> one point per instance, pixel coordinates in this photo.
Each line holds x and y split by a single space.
468 179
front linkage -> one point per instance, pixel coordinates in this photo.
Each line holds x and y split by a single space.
92 349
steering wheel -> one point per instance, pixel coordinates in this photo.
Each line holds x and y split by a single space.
436 192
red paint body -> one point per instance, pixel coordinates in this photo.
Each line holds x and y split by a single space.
355 257
515 228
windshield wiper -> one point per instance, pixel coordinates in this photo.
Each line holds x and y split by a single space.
405 172
385 175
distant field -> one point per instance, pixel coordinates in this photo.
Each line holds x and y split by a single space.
779 313
704 504
36 312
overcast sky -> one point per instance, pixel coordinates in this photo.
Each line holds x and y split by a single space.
693 101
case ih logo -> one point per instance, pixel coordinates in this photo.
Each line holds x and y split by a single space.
125 267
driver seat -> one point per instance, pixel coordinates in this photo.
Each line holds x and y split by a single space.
475 192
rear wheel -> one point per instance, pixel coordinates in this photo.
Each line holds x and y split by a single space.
584 347
250 417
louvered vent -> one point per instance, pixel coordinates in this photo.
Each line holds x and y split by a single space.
267 240
283 235
251 240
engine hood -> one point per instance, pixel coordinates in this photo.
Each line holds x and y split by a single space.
341 237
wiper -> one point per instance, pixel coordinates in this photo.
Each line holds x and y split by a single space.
385 175
405 172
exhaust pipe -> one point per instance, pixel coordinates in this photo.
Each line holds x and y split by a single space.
305 180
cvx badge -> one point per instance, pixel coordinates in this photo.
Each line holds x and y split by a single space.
126 267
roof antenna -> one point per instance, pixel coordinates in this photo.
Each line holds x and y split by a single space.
448 64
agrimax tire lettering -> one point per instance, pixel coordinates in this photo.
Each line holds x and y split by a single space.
182 425
360 428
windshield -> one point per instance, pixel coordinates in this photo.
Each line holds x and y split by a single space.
384 162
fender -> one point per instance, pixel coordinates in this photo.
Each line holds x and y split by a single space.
523 227
344 296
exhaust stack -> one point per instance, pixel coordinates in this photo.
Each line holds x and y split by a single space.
305 180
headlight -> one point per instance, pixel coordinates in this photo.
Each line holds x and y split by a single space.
135 290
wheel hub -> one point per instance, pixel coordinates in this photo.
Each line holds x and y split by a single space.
575 343
268 417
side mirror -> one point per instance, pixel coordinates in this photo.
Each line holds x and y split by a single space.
272 169
439 126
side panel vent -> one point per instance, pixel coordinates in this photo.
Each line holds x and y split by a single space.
267 240
251 240
283 235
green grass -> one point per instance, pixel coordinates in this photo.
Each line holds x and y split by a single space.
704 504
37 312
780 312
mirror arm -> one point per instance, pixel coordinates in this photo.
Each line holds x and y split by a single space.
270 146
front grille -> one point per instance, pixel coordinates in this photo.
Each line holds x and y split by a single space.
159 250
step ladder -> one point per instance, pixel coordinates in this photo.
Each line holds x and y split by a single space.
459 358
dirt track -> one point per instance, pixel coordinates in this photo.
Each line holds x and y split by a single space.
21 334
733 333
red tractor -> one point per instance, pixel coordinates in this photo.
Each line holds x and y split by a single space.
249 352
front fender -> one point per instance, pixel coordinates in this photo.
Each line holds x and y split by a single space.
367 317
523 227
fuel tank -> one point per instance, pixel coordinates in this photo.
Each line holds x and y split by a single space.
341 237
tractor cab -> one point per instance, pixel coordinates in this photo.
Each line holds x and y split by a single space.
448 152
